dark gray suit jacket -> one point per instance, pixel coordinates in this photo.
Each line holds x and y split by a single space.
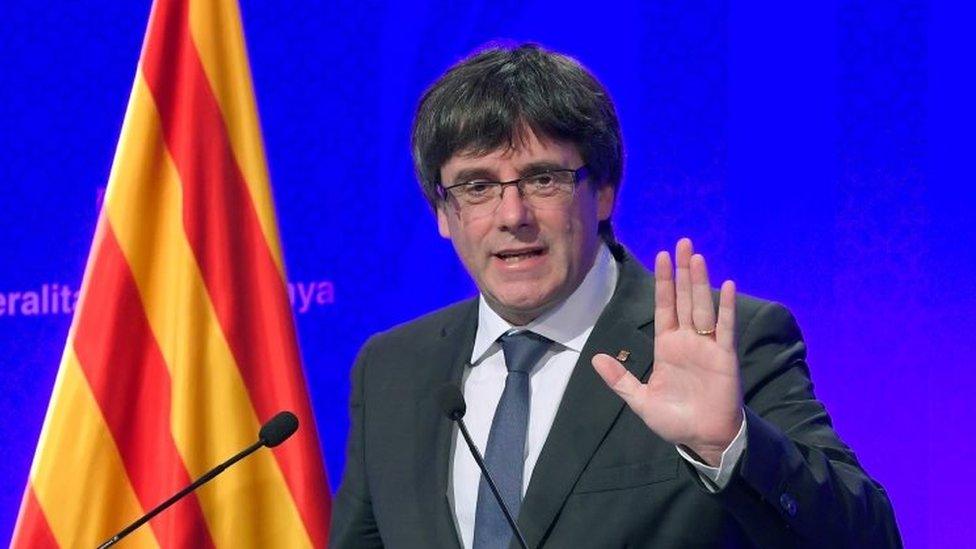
603 479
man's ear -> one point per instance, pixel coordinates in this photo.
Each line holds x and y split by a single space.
605 199
443 226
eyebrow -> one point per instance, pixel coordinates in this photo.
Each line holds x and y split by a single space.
471 174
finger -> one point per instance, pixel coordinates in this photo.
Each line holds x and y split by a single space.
702 306
619 380
682 282
725 329
664 315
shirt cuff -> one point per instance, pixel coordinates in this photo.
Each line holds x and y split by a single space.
716 478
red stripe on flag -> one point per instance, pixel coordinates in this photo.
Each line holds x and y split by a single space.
128 377
223 230
32 530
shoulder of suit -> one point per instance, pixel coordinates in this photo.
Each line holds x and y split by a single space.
431 324
748 304
762 316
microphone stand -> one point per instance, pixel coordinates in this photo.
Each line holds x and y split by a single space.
491 483
193 486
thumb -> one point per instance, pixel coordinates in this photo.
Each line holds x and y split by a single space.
619 379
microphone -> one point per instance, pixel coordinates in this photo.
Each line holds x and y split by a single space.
278 429
452 405
274 432
452 402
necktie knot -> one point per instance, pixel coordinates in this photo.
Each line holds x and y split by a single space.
523 350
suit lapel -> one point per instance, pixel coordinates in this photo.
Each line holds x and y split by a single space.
448 357
589 408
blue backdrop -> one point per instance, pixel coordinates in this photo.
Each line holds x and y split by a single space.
818 153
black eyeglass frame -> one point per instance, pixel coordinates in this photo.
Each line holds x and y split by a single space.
579 175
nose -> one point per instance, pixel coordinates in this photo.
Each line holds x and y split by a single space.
512 211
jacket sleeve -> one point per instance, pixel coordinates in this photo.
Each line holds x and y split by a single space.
353 524
797 484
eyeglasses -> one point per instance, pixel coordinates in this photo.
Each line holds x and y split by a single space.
551 189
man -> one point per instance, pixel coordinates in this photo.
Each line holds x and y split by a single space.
613 408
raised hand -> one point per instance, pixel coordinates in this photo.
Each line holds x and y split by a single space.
693 397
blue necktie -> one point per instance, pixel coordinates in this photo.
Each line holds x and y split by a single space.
505 454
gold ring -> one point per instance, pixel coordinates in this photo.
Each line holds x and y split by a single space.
705 332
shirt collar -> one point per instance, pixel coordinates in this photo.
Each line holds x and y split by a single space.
569 323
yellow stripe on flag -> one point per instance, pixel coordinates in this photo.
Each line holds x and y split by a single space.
215 27
212 415
78 476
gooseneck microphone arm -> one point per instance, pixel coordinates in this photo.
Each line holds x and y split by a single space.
177 496
273 433
453 406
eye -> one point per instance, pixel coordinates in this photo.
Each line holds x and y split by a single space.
477 187
475 191
543 184
542 180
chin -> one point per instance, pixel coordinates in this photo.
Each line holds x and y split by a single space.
521 307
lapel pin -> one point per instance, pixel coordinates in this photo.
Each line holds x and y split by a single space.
623 355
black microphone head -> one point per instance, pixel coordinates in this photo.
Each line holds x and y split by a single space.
278 429
451 401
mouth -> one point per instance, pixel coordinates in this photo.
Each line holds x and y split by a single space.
517 256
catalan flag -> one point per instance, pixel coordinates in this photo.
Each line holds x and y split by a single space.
183 341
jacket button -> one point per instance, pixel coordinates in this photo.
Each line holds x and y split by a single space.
788 504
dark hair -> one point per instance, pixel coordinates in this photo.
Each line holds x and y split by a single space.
489 99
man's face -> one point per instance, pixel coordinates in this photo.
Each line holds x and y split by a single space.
524 259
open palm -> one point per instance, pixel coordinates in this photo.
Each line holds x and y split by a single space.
693 397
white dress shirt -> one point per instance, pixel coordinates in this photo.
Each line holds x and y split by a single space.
568 326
